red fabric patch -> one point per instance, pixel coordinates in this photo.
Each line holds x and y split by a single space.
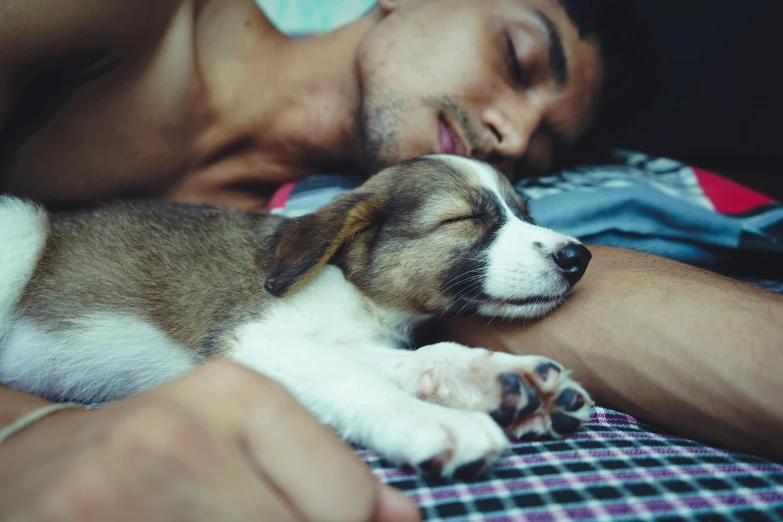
727 196
280 197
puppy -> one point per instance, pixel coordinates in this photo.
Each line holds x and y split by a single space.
101 304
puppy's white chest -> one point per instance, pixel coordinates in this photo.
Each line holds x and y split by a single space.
327 311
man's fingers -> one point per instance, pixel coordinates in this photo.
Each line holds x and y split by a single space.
318 474
167 461
393 506
321 476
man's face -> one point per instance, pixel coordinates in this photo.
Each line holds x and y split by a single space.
504 81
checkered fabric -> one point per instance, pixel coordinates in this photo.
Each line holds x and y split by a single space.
615 468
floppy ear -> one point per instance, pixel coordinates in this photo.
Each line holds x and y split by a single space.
302 246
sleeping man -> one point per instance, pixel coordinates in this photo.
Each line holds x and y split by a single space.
206 102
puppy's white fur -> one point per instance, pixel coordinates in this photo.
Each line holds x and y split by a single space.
98 357
356 344
22 239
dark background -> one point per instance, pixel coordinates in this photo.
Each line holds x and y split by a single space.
720 102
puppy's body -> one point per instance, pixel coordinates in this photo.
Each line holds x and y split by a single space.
132 294
107 303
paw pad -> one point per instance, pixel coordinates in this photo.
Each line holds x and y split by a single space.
570 400
516 398
546 369
543 401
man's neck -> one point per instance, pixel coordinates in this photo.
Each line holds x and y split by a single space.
291 102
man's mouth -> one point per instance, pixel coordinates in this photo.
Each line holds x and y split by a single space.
449 140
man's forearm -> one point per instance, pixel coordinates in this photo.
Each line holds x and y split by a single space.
692 352
15 404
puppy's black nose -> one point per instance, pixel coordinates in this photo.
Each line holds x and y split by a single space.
572 260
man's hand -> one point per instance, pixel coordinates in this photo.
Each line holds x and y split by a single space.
222 443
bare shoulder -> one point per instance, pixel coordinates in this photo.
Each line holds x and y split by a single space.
37 35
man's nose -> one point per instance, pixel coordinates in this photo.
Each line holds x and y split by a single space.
511 132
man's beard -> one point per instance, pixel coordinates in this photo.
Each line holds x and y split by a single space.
378 118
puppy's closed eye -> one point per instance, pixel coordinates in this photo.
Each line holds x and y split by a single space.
479 219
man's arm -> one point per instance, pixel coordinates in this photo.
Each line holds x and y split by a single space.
15 404
690 351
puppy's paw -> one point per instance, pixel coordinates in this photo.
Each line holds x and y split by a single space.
525 395
542 400
447 442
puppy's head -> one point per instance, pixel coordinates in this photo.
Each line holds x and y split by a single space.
437 235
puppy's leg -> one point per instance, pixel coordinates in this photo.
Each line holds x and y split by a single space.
364 407
526 395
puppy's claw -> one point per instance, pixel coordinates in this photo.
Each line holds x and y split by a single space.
436 464
563 424
470 470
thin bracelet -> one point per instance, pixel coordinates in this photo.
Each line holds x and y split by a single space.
33 417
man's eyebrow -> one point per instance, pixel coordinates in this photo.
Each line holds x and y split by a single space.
558 64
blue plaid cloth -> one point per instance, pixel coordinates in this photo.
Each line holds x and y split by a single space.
653 205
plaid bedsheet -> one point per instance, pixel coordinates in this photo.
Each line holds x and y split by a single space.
615 468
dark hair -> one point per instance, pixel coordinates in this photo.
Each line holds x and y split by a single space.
631 65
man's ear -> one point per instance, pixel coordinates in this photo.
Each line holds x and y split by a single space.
302 246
